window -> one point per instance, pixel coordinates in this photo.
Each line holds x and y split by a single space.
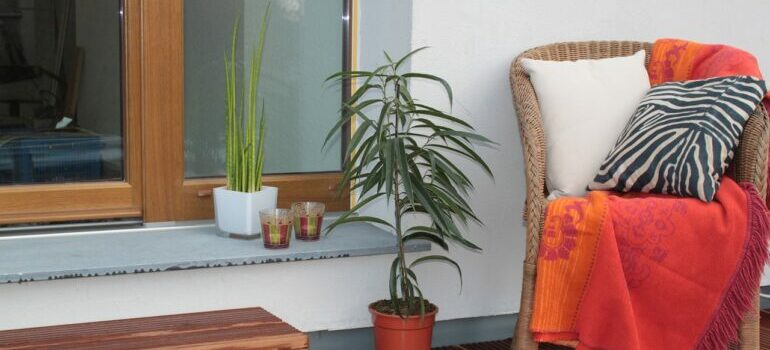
60 117
130 121
303 47
64 115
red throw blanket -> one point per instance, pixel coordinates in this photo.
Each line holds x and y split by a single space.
677 60
647 271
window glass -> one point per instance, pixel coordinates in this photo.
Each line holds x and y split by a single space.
304 45
60 91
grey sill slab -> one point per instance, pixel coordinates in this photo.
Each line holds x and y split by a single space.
156 249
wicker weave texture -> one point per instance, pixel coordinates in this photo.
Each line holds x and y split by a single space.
750 162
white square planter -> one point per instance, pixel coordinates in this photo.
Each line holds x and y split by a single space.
238 212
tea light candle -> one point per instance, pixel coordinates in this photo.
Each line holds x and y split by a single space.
308 218
276 227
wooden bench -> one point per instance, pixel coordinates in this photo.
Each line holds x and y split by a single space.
252 328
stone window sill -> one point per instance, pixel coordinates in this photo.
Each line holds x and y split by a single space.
182 246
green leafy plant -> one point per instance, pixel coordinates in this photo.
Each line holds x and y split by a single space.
403 154
245 136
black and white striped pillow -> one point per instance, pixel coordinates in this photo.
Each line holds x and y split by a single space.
681 138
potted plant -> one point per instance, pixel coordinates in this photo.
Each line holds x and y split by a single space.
237 205
404 152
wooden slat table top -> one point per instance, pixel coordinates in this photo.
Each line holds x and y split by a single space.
252 328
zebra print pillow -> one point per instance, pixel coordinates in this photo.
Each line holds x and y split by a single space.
681 138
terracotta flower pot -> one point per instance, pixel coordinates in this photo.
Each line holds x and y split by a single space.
392 332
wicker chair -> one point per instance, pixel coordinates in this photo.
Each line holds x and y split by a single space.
750 164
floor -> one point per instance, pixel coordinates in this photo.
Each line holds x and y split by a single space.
495 345
764 331
506 344
492 345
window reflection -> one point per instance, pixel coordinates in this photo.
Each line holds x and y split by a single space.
60 91
304 45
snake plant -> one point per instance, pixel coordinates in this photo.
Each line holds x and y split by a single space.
245 133
405 151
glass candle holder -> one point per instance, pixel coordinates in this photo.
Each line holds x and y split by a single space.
276 227
308 217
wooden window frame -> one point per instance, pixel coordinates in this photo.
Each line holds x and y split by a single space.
155 188
168 195
94 200
175 198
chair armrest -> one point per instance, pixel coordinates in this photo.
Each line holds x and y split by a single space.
533 144
750 162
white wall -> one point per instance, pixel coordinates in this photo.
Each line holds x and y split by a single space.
473 43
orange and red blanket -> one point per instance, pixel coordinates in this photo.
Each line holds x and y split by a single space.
677 60
647 271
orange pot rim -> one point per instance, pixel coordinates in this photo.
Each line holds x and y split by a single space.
374 311
395 322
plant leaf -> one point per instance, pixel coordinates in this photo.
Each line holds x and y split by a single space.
428 237
439 258
369 219
394 284
403 59
467 135
438 114
356 208
434 78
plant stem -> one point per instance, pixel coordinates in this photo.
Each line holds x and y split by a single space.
399 236
399 232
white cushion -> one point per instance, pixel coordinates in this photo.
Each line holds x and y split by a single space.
585 105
